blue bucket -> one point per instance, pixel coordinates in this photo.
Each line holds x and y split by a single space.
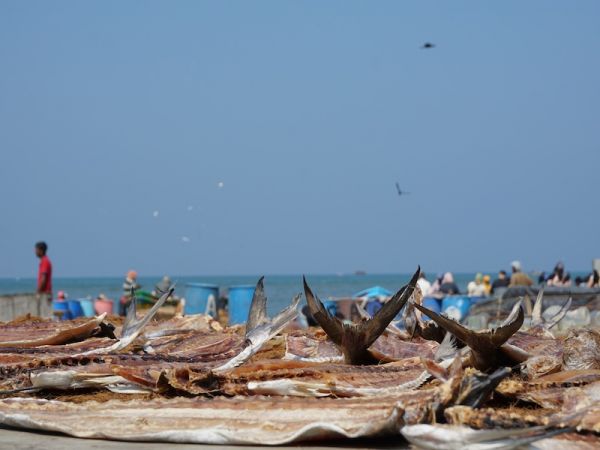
87 304
75 309
240 299
331 307
58 305
433 304
197 296
456 306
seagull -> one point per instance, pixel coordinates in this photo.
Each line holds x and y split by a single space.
400 191
428 45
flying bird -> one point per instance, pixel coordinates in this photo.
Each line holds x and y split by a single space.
428 45
400 191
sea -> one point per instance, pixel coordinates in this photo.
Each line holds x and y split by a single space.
280 289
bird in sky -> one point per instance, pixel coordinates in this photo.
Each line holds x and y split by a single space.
428 45
400 191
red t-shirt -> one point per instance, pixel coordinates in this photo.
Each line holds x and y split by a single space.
45 267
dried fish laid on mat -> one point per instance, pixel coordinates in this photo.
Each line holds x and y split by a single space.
198 352
242 419
311 379
355 340
314 346
453 437
36 334
584 417
181 324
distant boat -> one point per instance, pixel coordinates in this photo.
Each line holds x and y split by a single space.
360 272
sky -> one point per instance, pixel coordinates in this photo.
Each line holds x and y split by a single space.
235 137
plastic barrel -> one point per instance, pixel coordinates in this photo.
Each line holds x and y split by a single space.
330 306
75 308
456 306
103 306
197 296
87 304
433 304
62 306
240 299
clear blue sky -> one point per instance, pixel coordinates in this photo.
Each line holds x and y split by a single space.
308 112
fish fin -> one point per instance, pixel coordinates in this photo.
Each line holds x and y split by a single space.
560 314
536 313
503 333
261 334
285 316
331 325
513 313
462 333
131 316
258 308
477 387
447 349
355 339
477 340
436 370
376 326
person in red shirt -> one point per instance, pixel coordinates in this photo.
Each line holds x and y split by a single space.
44 284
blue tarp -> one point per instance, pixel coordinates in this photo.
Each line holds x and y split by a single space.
375 291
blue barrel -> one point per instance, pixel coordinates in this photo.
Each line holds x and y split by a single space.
331 307
75 308
58 305
433 304
240 299
87 304
197 296
456 306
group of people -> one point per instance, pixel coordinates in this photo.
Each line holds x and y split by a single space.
482 285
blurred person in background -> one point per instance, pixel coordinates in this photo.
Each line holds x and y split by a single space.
518 278
487 286
501 282
130 285
476 288
559 277
448 286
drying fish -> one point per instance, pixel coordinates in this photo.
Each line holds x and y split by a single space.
452 437
36 334
132 326
256 420
354 340
488 347
239 420
172 356
314 346
582 350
